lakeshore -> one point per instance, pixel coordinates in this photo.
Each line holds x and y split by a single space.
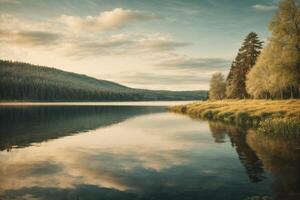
272 117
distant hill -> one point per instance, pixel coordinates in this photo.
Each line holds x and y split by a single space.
22 81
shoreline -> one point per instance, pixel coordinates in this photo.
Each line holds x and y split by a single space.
271 117
106 103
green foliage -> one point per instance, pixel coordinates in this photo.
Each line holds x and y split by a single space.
244 61
21 81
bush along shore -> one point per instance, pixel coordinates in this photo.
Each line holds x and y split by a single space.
269 117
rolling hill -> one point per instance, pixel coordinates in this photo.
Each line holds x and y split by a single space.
27 82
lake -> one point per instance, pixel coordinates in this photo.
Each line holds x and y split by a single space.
137 151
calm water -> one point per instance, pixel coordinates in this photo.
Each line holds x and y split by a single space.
137 152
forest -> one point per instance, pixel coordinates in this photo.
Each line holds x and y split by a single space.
26 82
265 71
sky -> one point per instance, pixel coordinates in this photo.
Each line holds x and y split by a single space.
151 44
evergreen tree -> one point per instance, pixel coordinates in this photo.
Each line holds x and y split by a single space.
231 81
244 61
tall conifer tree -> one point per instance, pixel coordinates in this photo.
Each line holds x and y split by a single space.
244 61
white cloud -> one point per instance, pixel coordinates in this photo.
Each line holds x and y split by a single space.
203 65
29 38
143 78
159 42
106 21
9 22
9 2
154 43
27 33
30 33
261 7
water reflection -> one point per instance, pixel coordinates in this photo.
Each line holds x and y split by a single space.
247 156
282 159
154 155
22 126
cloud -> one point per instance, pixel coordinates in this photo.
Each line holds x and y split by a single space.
123 44
29 38
161 78
165 79
197 64
82 47
107 20
67 41
159 42
36 37
267 7
9 2
24 32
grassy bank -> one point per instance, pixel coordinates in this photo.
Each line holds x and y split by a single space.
271 117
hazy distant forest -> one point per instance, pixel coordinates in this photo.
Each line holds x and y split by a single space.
269 71
22 81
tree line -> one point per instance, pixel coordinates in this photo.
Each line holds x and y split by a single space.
23 81
272 71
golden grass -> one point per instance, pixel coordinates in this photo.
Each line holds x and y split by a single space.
282 113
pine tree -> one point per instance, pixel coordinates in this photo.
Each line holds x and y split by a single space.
244 61
231 81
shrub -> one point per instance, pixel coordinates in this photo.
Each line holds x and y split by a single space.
243 118
207 114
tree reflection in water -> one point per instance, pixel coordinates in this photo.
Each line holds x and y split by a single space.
161 156
259 153
247 156
281 158
22 126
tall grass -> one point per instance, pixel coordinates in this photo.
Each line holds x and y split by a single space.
287 127
270 117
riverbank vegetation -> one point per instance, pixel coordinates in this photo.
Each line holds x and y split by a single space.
276 117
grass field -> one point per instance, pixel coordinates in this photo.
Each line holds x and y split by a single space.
271 117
